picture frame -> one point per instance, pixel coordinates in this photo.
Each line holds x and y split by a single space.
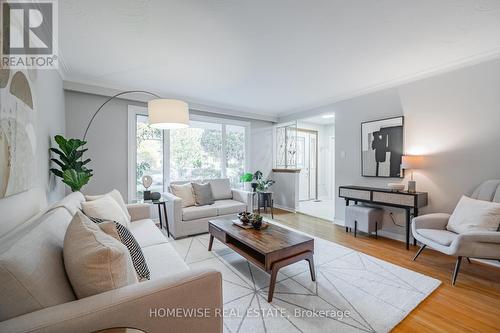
382 145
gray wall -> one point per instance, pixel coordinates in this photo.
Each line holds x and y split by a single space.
107 139
50 120
453 119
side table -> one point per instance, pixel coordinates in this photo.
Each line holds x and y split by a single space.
159 203
265 199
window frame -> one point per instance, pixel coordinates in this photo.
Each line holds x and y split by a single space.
134 111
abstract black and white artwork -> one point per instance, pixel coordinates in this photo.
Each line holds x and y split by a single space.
382 148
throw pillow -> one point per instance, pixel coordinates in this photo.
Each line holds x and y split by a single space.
203 194
221 189
185 192
121 233
95 262
474 215
116 195
105 208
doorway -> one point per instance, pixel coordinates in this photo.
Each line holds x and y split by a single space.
307 162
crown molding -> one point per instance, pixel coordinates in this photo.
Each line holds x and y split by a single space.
95 89
318 109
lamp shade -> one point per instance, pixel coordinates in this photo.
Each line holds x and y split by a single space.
411 162
168 113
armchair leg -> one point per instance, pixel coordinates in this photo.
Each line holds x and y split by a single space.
455 272
468 260
419 251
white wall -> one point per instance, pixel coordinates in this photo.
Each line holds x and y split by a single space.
107 139
50 120
453 119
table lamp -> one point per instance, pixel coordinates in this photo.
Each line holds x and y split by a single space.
411 162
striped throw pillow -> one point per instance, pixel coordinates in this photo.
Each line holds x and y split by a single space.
121 233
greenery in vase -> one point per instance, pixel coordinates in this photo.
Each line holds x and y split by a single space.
262 184
72 167
246 177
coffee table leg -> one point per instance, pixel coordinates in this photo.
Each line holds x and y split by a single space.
210 243
310 260
272 283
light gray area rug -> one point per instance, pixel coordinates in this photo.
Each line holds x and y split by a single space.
353 292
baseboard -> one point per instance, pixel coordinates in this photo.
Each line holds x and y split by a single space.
383 233
288 209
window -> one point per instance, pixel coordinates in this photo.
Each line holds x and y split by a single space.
149 155
209 148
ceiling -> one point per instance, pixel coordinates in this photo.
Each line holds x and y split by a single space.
271 57
320 119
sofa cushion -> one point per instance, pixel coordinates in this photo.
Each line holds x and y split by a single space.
225 207
184 192
198 212
474 215
203 194
147 233
221 189
106 208
32 274
95 262
116 195
163 260
442 237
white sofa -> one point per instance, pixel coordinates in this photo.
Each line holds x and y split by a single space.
36 295
186 221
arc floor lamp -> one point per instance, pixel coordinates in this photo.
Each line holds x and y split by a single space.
163 113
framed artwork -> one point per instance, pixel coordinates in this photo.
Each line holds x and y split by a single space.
382 147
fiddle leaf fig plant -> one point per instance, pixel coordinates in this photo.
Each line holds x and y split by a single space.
73 171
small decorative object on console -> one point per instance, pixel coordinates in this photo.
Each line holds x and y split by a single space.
155 195
396 187
146 182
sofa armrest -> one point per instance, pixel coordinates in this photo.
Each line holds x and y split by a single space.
174 212
244 196
145 305
139 211
431 221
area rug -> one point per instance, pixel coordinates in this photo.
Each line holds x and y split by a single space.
353 292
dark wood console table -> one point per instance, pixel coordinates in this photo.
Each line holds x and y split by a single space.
410 202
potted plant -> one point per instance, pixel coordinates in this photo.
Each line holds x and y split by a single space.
72 167
246 178
262 184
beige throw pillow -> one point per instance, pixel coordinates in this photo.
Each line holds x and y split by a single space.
95 262
474 215
185 192
106 208
116 195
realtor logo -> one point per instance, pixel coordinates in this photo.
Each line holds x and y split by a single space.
29 34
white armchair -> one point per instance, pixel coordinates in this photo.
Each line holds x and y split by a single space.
430 230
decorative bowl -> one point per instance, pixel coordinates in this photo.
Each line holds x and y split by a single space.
245 217
396 187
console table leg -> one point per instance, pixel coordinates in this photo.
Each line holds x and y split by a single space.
407 229
159 215
210 243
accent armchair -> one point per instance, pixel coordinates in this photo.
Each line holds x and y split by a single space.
430 230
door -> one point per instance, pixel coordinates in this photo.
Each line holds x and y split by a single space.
307 162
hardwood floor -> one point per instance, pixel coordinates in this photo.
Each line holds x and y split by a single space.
472 305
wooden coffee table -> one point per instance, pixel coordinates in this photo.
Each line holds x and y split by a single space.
269 249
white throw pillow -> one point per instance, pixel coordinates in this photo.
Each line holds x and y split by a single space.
106 208
474 215
185 192
95 262
116 195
